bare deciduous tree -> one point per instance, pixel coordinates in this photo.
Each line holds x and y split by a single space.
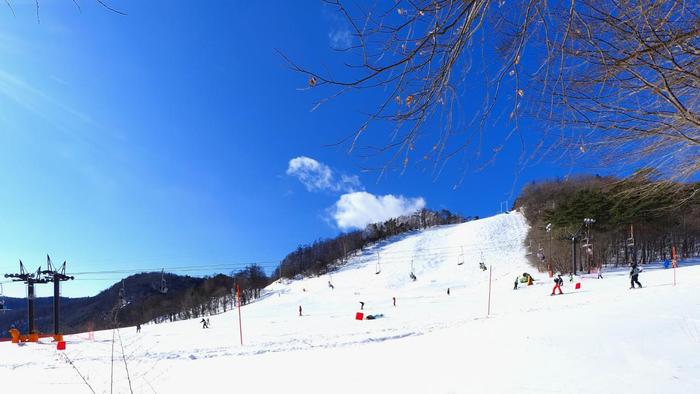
610 79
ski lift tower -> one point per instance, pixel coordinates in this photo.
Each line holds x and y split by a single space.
2 299
30 279
56 275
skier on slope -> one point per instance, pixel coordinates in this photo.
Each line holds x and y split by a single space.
204 323
634 276
515 285
558 281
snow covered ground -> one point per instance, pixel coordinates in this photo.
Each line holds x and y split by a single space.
603 338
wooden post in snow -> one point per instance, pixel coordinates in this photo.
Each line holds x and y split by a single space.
673 263
488 311
240 324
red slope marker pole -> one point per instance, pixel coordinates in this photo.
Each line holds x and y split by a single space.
488 311
240 324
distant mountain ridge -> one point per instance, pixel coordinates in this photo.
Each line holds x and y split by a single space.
145 302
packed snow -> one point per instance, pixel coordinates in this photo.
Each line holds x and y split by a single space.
602 338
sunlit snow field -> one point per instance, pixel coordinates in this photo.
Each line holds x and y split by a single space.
603 338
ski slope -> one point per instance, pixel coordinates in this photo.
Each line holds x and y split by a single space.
602 338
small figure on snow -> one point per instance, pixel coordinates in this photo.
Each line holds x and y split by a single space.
515 285
571 277
600 272
448 291
138 327
394 299
482 266
331 285
204 323
413 276
299 310
558 281
634 276
362 305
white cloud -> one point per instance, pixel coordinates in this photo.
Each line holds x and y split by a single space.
317 176
358 209
340 37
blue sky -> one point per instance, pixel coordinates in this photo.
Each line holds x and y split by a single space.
167 138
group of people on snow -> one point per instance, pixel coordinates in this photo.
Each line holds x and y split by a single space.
559 281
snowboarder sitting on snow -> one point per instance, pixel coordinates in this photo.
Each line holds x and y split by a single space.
634 276
558 281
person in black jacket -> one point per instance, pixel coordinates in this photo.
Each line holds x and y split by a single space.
634 276
558 281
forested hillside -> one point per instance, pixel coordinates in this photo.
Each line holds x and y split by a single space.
318 257
144 301
637 219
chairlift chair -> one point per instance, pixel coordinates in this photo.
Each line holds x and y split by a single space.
122 295
163 289
540 254
482 263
